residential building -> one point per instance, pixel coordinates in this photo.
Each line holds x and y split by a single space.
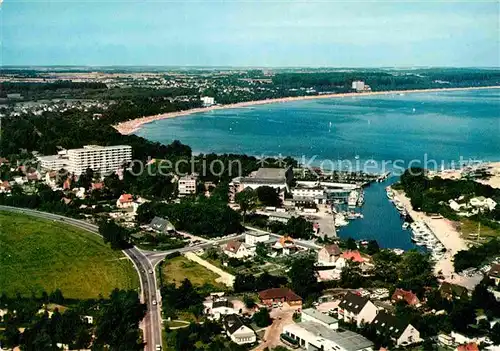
237 249
161 225
51 178
104 159
285 246
125 201
328 255
187 185
408 296
280 295
349 256
358 85
356 309
494 273
252 237
472 346
216 307
207 101
402 333
453 291
5 187
55 162
313 336
279 217
277 178
483 203
313 315
237 330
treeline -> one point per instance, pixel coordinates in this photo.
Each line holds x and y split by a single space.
202 216
476 256
116 322
24 87
385 80
432 195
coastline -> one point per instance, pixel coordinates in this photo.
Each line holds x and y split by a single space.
131 126
447 233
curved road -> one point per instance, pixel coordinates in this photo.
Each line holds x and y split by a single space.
152 321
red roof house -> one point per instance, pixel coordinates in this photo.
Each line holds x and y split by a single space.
352 255
403 295
472 346
274 295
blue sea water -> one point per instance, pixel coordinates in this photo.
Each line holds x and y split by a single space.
445 127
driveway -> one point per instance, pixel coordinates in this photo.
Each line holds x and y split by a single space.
281 317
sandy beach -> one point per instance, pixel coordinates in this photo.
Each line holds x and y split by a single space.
131 126
446 232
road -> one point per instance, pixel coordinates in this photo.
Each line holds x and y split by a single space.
152 321
145 262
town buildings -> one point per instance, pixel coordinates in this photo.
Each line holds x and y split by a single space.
187 185
494 273
356 309
315 336
237 249
280 295
161 225
313 315
402 333
277 178
253 237
104 159
402 295
237 330
328 255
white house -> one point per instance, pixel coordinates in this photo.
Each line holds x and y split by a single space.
216 307
237 330
328 255
314 336
125 201
356 309
252 238
483 202
402 333
237 249
313 315
187 185
455 206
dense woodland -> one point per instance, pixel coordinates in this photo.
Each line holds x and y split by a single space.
116 322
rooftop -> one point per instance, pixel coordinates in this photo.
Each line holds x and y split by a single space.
353 303
270 173
346 339
319 316
277 293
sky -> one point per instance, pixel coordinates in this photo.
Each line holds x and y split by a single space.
250 33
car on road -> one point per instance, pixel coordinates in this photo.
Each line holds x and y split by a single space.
158 348
150 271
154 302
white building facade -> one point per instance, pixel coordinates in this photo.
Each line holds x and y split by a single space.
104 159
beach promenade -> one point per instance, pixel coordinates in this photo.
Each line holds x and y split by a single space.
446 232
131 126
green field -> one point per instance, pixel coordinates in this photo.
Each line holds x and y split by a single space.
38 254
175 270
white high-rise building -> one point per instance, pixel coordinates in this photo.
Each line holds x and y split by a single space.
104 159
358 85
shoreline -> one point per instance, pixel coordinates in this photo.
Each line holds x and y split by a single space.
446 232
131 126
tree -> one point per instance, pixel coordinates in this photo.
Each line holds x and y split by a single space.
261 250
350 277
244 282
114 234
299 228
268 196
262 318
351 244
372 247
11 335
495 334
249 301
247 200
303 277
